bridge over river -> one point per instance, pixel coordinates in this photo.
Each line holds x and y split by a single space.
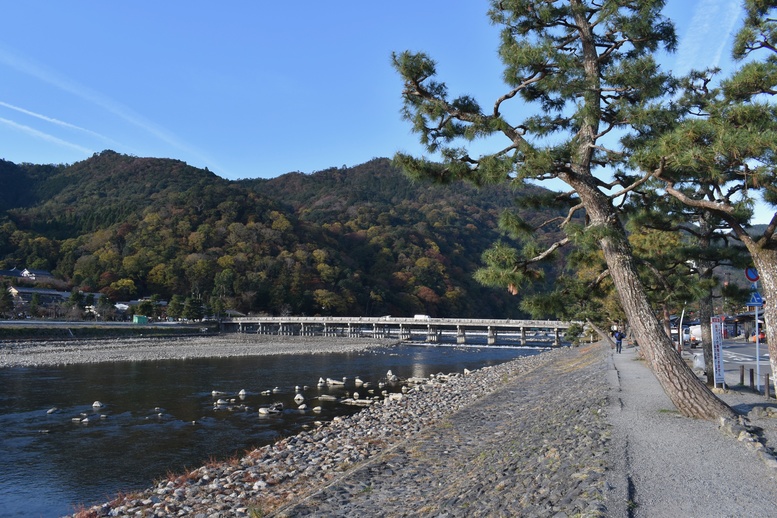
404 328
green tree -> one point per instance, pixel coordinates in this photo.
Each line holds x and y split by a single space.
588 69
690 263
145 307
124 288
223 283
35 305
175 307
218 308
193 308
6 301
721 155
105 308
76 299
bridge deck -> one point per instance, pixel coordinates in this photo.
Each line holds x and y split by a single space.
402 327
448 322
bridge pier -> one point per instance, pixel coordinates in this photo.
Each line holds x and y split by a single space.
432 334
556 339
404 332
461 336
329 330
381 331
523 336
491 335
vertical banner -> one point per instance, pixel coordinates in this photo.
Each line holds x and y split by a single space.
717 349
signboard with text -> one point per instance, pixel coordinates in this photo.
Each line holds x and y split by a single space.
717 349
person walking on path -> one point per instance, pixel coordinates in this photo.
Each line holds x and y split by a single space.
619 336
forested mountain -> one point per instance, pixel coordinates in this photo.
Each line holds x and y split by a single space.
359 241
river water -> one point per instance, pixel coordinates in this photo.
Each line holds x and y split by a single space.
159 417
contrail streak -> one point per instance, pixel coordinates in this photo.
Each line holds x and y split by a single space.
26 66
58 122
705 41
45 136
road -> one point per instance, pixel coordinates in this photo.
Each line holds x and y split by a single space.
738 352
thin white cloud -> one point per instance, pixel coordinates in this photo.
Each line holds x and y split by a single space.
58 122
709 35
27 66
45 136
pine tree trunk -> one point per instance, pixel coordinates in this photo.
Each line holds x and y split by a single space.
688 393
706 304
705 315
766 263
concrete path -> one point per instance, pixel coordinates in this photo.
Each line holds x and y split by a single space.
671 466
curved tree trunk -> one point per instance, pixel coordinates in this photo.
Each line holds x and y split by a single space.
604 335
705 314
688 393
706 304
766 263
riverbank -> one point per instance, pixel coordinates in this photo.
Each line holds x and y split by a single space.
527 437
570 432
54 330
68 352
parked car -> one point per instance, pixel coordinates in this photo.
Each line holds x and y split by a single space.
688 337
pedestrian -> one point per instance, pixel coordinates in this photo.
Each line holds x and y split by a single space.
619 336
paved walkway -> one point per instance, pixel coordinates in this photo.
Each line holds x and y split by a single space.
531 449
669 466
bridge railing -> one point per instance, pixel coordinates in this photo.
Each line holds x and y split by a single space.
477 322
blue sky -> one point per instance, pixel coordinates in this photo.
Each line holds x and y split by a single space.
253 89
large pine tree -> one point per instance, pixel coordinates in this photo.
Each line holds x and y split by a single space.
587 70
721 156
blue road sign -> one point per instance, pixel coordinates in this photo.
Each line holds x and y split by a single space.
755 300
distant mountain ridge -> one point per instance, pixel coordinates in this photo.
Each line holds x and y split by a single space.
359 240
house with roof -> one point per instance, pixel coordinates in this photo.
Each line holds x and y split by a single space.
13 273
37 275
23 296
27 294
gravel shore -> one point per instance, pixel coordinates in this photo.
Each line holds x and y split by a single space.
524 438
35 354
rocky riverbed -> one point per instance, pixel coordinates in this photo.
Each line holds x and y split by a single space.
524 438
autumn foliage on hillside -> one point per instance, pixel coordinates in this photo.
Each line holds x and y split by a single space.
360 241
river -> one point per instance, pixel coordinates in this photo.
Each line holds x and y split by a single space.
160 417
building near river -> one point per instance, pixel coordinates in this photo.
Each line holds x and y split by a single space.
24 296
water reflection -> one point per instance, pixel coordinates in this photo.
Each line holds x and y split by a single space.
159 416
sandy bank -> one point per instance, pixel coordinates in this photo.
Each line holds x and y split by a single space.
32 354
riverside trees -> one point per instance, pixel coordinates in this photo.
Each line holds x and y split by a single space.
587 70
721 154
